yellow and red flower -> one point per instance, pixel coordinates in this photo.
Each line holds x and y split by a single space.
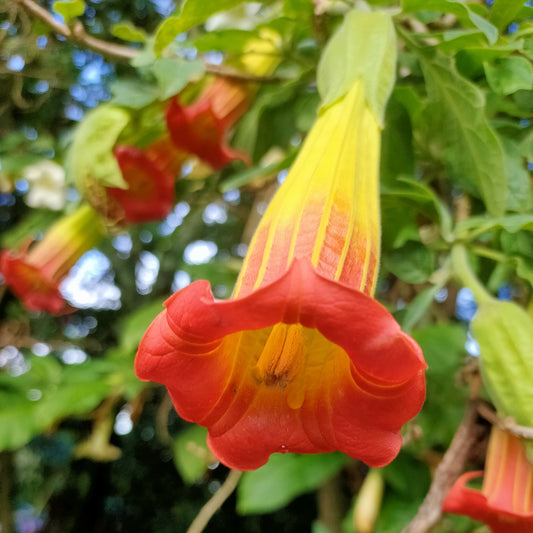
150 175
201 128
505 502
35 272
301 358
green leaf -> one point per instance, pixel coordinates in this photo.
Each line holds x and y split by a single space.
504 332
173 74
91 153
191 455
518 196
509 74
133 93
128 32
48 392
193 13
69 9
413 263
28 228
137 322
418 308
475 226
502 12
470 145
443 346
283 478
364 47
230 40
456 7
238 179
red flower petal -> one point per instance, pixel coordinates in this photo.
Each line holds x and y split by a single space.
31 286
197 129
358 379
150 195
471 502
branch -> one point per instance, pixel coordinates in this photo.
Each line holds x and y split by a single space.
447 472
77 35
214 504
505 424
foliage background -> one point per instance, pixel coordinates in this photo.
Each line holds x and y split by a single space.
456 159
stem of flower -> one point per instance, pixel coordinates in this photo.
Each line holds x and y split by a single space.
214 504
464 273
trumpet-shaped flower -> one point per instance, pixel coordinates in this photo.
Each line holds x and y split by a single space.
201 128
505 502
301 358
47 185
150 175
35 272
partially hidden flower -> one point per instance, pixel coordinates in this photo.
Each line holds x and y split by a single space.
150 175
35 272
46 181
301 358
201 128
505 501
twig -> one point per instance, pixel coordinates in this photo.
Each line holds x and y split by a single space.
449 469
214 504
506 424
76 33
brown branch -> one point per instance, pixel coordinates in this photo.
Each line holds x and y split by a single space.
449 469
214 504
76 34
505 424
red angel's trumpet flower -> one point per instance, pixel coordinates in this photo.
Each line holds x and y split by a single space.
505 502
150 175
35 272
301 358
201 128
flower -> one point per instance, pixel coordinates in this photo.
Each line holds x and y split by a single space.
301 358
505 502
46 185
150 175
35 272
201 127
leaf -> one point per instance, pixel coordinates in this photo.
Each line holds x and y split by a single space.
283 478
456 7
193 13
137 322
238 179
502 12
133 93
413 263
69 9
518 196
425 198
91 153
62 391
128 32
29 227
364 47
226 40
471 147
475 226
443 346
509 74
191 455
173 74
418 308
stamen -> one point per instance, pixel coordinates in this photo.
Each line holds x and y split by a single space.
282 357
